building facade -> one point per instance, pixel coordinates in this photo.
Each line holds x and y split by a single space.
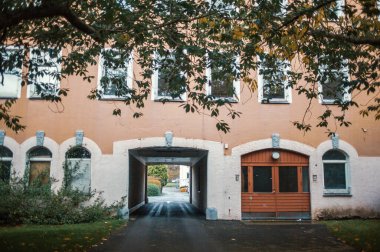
263 168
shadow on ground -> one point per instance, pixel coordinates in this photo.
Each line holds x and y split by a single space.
179 226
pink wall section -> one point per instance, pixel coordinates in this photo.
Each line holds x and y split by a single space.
258 121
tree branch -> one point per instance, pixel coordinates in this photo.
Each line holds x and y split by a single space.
58 9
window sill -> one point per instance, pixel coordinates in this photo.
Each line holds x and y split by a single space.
272 101
167 99
329 102
337 194
113 98
9 97
227 99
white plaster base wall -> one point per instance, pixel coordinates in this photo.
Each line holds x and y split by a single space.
110 173
364 176
365 199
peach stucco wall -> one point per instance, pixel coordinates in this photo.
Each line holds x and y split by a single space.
258 121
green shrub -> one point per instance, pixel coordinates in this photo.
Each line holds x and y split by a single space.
159 171
153 190
21 203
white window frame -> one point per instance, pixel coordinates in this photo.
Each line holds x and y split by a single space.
236 83
129 78
346 95
378 7
340 4
154 94
347 170
30 89
260 86
13 83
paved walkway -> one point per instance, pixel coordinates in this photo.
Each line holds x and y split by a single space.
170 194
180 227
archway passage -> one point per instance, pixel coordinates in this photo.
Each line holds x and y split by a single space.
275 185
140 158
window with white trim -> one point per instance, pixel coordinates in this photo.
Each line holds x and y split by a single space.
332 88
10 79
6 156
336 173
273 81
78 161
115 74
44 72
221 76
39 160
168 81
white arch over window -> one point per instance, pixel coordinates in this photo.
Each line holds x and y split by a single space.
17 164
90 145
52 146
39 165
352 158
6 156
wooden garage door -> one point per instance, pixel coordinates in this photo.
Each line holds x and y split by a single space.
275 188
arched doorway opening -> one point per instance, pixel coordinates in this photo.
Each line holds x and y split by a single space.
275 185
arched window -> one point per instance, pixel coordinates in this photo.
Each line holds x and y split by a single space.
78 169
39 165
336 172
6 156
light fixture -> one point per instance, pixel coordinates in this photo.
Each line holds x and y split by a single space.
275 155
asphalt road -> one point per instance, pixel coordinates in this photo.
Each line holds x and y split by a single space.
180 227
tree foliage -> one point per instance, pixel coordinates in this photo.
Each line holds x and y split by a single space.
200 34
159 171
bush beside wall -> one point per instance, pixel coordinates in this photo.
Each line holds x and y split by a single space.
21 203
153 190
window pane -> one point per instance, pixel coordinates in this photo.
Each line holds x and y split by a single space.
288 179
114 81
40 152
305 179
331 88
44 72
39 172
78 152
273 91
5 152
10 80
274 75
244 179
222 83
224 69
334 155
262 179
5 170
81 174
334 176
171 81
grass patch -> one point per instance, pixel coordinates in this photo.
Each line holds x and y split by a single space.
361 234
171 184
69 237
